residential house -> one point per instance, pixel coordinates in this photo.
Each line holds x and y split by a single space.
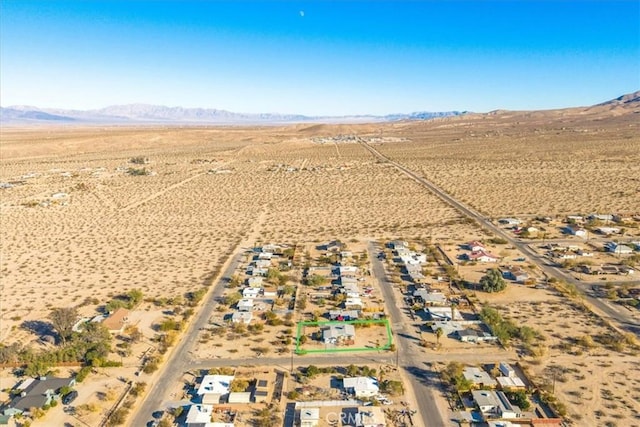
348 270
262 263
334 246
576 231
430 298
351 290
482 256
245 304
270 292
398 244
507 370
443 313
348 280
116 320
36 393
199 416
242 317
417 277
472 335
250 292
239 397
309 417
618 249
353 304
494 404
608 230
361 386
370 416
510 383
475 246
601 217
341 315
516 274
252 270
214 388
413 268
403 252
479 377
338 334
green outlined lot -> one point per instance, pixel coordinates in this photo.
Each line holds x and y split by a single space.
306 346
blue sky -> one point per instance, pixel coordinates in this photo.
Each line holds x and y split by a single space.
319 57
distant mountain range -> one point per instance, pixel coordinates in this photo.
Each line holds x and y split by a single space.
157 114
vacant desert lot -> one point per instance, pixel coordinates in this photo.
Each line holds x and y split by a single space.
596 378
110 231
540 163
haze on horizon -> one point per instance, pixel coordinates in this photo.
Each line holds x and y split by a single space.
319 58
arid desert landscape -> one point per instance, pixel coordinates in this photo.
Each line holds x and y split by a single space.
90 213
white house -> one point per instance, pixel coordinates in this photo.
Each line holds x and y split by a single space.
478 377
475 246
576 231
245 304
240 397
348 270
430 298
199 416
214 388
252 270
507 383
242 317
353 304
507 370
250 292
482 256
337 333
361 386
495 404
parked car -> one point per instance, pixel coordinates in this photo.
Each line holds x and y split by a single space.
69 397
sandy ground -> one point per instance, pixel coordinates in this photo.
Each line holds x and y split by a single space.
528 163
598 384
166 232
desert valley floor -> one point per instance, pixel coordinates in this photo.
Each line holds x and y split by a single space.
80 223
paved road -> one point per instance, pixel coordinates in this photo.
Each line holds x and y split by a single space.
619 316
178 361
423 381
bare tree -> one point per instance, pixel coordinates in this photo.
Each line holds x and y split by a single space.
63 320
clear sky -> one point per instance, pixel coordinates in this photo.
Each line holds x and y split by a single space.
319 57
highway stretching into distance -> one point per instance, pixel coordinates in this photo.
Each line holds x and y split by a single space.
619 316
